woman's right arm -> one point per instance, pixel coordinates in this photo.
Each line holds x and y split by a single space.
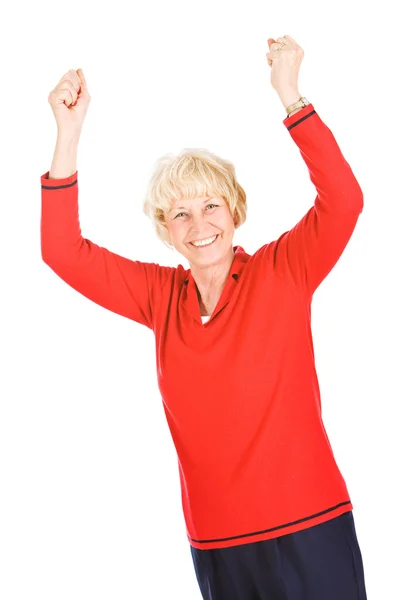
124 286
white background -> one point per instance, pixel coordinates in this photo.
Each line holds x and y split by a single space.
90 504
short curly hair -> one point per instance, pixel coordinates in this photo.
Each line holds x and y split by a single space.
192 173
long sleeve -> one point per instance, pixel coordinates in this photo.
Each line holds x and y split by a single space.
306 254
121 285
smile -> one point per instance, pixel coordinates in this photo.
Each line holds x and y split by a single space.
204 245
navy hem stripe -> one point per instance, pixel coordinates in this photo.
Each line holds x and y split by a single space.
58 187
272 528
302 119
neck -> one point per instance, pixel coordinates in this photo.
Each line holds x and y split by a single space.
210 279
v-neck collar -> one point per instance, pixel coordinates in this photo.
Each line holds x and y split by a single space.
189 299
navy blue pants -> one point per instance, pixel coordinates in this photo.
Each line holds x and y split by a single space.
322 562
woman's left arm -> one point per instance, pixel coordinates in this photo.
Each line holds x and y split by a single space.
304 255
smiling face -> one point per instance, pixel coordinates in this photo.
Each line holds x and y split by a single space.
200 219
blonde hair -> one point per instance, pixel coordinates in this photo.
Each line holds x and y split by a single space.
194 172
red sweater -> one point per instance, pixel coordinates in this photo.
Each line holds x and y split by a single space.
240 392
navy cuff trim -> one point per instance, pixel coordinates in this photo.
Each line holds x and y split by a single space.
59 187
301 119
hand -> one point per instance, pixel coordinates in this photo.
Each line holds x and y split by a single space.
69 101
285 66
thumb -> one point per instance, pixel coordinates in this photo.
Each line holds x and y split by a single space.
83 98
83 80
270 42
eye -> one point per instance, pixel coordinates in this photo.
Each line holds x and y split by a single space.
183 213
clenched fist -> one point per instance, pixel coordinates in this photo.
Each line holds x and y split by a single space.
284 58
69 101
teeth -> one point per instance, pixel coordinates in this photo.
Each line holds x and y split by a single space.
205 242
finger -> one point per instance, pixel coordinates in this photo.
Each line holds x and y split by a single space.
60 96
274 54
73 78
67 85
290 39
76 80
282 40
277 46
82 78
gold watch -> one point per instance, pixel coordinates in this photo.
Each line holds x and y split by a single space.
301 103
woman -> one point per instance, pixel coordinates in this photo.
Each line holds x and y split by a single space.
267 511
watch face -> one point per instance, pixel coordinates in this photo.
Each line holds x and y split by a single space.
305 100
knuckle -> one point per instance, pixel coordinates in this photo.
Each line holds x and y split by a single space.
73 74
74 83
71 87
72 77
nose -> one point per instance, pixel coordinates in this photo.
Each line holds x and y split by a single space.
199 223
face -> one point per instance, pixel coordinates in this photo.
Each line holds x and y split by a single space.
199 219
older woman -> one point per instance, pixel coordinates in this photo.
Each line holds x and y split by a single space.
267 511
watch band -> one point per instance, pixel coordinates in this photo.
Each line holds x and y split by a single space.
301 103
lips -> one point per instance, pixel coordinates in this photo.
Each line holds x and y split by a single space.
206 246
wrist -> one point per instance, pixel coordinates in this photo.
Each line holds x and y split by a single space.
67 140
293 112
289 97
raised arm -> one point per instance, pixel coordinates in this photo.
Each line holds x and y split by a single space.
305 255
124 286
